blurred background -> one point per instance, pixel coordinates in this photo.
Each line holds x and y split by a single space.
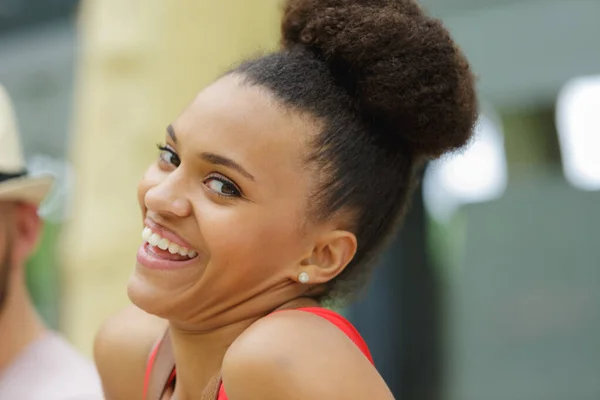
492 289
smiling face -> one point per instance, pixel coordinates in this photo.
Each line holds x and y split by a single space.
225 209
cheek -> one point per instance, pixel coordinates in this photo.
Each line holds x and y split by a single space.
251 238
14 248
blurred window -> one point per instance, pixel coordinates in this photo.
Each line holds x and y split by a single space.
476 174
578 125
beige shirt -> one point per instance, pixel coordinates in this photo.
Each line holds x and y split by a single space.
50 369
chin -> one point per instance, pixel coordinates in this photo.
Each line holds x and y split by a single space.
147 296
142 295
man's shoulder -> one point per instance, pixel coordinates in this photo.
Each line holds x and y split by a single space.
50 368
59 354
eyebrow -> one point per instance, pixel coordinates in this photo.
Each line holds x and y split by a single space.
171 133
215 158
226 162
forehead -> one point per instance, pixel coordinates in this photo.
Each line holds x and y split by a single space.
245 123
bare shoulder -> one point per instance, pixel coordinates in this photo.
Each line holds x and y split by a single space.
295 354
121 350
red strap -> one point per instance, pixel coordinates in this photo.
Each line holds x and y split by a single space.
222 395
149 370
149 367
342 323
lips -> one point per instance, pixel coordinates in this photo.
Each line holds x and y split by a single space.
160 243
159 252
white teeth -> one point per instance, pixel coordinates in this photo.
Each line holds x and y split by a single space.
164 244
146 233
173 248
154 239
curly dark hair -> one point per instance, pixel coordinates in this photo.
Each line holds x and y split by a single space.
390 88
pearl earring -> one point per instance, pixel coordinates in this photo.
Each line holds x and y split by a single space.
303 277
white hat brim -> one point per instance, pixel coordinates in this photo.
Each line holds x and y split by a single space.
27 189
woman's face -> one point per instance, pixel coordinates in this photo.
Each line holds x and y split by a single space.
224 208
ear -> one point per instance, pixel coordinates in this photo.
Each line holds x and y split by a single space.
26 231
331 254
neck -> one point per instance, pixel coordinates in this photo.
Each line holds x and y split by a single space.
199 355
20 324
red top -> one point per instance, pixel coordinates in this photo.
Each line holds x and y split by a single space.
342 323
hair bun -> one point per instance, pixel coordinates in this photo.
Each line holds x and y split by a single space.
402 67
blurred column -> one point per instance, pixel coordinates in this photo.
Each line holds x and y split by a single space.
140 63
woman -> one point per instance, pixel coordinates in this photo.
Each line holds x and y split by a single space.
272 194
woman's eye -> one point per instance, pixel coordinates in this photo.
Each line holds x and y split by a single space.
169 156
222 187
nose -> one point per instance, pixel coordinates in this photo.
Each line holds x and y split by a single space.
168 197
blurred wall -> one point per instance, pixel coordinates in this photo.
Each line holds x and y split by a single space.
522 305
141 62
523 51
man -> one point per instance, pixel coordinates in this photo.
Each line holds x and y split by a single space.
35 363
